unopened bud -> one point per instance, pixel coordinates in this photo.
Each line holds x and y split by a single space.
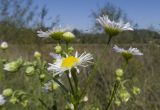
68 36
42 76
7 92
13 100
136 90
119 72
4 45
58 49
37 55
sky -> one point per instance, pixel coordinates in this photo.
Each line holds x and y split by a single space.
76 13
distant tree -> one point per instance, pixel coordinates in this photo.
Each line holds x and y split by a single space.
41 21
17 12
19 20
113 12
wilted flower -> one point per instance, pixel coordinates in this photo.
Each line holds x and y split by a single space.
56 33
127 54
111 27
50 86
63 64
4 45
7 92
2 100
68 36
13 66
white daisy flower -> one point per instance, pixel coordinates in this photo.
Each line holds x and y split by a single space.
2 100
63 64
127 53
112 27
133 51
42 34
55 32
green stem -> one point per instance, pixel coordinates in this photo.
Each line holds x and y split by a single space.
60 84
75 106
70 83
113 93
109 39
44 104
75 79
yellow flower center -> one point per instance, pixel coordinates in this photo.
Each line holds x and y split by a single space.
69 62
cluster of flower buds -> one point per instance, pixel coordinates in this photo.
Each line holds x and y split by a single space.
14 97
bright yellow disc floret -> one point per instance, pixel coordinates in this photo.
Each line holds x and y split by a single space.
69 62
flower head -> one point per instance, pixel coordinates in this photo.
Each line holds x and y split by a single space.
55 33
2 100
127 54
111 27
63 64
4 45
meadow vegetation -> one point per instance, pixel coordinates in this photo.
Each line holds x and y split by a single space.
110 74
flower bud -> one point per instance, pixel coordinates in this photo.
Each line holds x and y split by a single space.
68 36
7 92
37 55
4 45
117 102
13 100
119 72
70 49
29 70
24 103
69 106
85 99
42 76
13 66
124 95
58 49
136 90
118 78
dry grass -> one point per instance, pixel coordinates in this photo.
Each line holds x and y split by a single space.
143 71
